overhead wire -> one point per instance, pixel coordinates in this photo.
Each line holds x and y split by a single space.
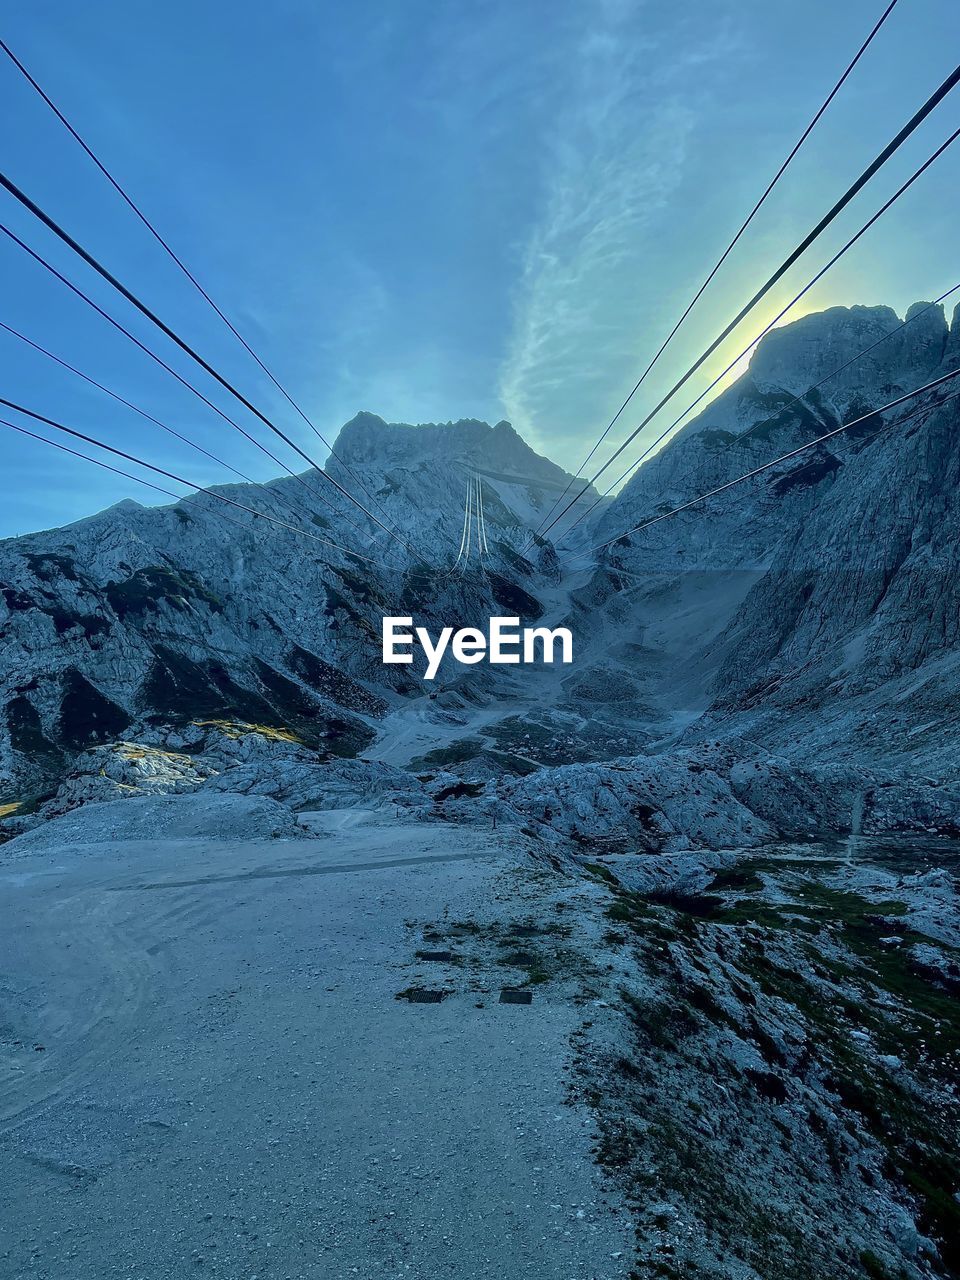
172 475
149 417
128 475
802 395
48 266
921 114
901 190
466 517
483 522
785 457
644 581
131 203
726 253
466 555
52 225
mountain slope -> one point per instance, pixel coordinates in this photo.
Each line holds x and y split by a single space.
812 610
779 604
145 614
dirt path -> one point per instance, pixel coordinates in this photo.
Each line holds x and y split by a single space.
204 1069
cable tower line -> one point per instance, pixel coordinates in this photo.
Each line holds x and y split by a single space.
179 377
131 203
174 337
118 471
726 253
466 517
837 208
294 506
466 556
172 475
767 328
802 395
482 531
793 453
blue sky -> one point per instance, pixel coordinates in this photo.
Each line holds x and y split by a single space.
435 210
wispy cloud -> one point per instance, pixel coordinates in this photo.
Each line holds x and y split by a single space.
614 161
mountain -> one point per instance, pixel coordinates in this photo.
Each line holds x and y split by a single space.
808 613
717 854
813 608
141 615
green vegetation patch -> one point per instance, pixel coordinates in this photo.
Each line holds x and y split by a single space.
458 752
47 567
330 682
743 879
148 588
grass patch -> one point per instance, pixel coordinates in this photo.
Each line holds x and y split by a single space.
458 752
149 588
600 872
235 729
743 879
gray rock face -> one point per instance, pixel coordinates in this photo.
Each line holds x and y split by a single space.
815 606
169 615
160 818
808 619
707 799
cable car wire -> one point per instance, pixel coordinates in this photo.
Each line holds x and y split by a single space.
836 209
785 457
315 493
172 475
768 327
763 422
131 203
726 253
51 224
274 494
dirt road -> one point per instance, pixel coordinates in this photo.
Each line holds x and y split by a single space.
204 1068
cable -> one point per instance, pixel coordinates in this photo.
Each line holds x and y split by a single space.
132 298
174 374
75 453
748 475
172 475
776 320
466 516
483 522
895 143
180 263
861 441
813 387
727 251
466 558
271 493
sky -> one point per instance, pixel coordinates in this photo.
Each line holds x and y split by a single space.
433 210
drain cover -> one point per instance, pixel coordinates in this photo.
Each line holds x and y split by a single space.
422 995
435 955
515 995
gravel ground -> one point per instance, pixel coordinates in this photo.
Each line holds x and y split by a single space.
204 1068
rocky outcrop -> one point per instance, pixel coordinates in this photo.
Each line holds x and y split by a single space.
812 609
140 616
710 799
805 618
165 817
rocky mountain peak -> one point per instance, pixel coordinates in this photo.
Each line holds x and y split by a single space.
797 355
368 440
